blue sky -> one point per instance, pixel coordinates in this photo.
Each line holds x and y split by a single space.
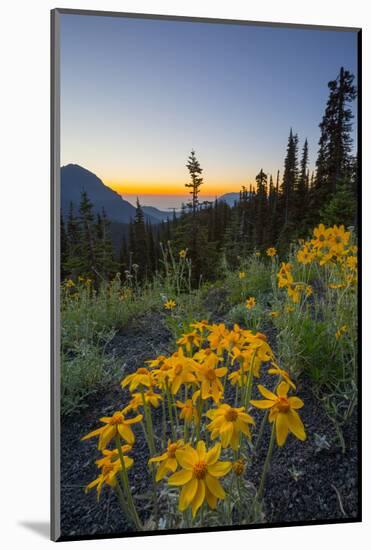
137 95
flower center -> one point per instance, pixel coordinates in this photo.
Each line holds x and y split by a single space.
231 415
338 239
321 238
210 375
200 469
117 418
283 404
142 370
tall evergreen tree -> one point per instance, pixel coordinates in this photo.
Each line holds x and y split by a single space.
139 245
195 172
335 145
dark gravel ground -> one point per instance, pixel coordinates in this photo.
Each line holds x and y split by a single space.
305 482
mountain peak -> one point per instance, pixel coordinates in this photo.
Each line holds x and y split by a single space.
76 178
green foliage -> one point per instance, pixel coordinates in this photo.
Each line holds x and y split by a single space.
341 208
85 370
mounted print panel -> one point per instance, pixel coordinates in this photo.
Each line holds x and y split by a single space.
205 178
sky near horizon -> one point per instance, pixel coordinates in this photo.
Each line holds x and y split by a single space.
138 94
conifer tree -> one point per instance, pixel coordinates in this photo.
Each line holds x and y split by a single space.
335 145
195 172
105 263
260 208
286 202
139 243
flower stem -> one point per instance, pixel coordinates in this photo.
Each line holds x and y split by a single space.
266 464
125 482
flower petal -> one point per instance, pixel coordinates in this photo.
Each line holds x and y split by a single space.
187 458
126 433
296 425
211 499
199 497
266 393
134 420
187 494
107 434
262 403
282 428
214 486
180 478
93 433
282 389
213 454
172 464
219 469
158 458
201 450
295 402
226 432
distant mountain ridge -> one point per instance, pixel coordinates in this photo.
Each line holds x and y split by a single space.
230 198
75 179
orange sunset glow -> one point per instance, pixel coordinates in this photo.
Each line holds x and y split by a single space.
172 188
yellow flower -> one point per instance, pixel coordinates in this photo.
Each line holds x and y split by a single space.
133 404
274 314
150 397
236 377
321 235
158 362
282 412
188 411
352 262
190 339
141 377
70 283
183 253
242 275
238 467
217 337
209 377
275 369
113 455
342 330
293 291
284 275
199 476
110 466
227 423
168 459
250 302
115 425
271 252
201 326
182 368
257 254
338 238
289 309
304 256
170 304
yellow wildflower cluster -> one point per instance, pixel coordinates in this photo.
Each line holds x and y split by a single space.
331 246
191 385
